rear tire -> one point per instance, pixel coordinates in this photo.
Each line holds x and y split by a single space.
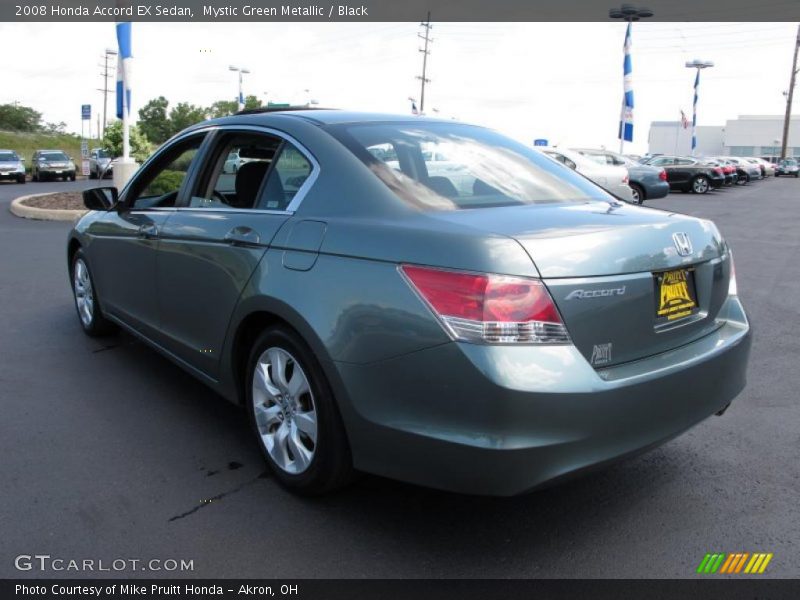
700 184
294 415
90 315
637 193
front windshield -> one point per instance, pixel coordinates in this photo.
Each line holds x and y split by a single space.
103 154
54 156
8 157
789 163
450 166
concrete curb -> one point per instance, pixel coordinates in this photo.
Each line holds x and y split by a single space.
19 209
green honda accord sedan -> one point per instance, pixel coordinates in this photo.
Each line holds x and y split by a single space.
416 298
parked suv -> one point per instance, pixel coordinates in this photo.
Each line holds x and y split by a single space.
52 164
11 166
689 174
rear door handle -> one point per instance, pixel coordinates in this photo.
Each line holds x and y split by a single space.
242 236
148 231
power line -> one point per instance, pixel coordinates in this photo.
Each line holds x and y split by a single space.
425 52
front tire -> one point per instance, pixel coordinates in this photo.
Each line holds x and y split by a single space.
294 415
90 315
21 179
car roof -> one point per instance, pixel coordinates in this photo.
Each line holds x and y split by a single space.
319 116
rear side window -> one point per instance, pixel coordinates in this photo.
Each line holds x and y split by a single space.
290 172
450 166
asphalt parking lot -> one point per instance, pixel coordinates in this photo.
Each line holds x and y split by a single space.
109 451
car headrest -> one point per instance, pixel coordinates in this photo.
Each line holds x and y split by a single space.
248 182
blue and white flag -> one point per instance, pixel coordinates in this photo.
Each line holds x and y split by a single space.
694 111
124 62
414 110
241 100
626 118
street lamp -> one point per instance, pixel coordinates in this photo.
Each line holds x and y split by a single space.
629 13
240 97
699 65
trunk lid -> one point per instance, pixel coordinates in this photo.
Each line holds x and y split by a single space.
604 265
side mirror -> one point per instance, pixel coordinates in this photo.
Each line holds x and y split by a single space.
101 198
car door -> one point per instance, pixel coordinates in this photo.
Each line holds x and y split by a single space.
212 245
124 242
684 170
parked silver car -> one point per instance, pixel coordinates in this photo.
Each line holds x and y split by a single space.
613 178
11 166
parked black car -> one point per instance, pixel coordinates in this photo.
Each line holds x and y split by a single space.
689 174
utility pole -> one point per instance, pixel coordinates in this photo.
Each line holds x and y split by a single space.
787 119
105 75
425 52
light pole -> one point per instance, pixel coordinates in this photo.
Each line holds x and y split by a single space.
629 13
240 97
699 65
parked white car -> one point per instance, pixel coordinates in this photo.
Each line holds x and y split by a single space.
610 177
769 168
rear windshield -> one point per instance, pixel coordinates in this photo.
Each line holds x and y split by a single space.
449 166
8 156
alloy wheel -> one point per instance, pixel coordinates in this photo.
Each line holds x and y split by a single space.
284 410
700 185
84 294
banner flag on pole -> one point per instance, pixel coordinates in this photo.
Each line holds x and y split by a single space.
626 120
124 61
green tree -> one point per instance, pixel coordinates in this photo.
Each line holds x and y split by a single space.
112 141
15 117
184 114
251 102
224 108
154 122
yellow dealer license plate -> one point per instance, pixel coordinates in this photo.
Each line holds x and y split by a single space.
676 296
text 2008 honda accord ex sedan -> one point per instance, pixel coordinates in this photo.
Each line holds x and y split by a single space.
420 299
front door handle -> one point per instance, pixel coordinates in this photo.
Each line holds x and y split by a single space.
148 231
242 236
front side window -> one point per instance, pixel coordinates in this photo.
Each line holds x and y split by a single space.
159 185
450 166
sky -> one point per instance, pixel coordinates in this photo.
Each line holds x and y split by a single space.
558 81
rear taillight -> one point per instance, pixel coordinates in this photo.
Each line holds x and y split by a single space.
625 179
494 309
733 290
662 175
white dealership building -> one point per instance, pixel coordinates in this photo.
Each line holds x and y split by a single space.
748 135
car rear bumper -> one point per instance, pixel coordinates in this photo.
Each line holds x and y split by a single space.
502 420
654 191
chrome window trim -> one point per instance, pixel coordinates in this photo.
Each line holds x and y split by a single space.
291 207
